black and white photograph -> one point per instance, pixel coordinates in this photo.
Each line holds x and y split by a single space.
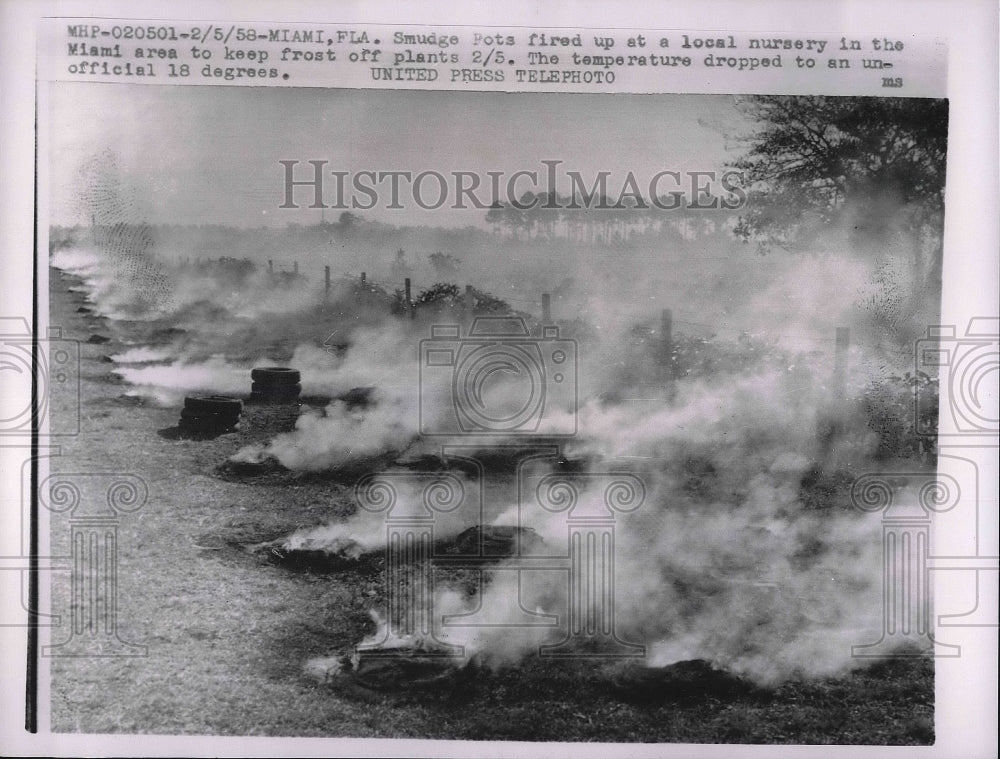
491 402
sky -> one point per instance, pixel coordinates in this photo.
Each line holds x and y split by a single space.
201 154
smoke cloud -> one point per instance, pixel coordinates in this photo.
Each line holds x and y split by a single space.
731 557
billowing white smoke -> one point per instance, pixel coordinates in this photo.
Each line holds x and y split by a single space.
138 285
736 584
732 567
141 355
167 384
331 439
728 565
738 572
80 262
97 276
385 358
366 530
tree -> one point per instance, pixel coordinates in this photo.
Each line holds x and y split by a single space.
400 268
496 215
348 221
445 265
875 165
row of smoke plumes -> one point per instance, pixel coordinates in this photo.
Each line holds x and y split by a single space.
201 327
723 561
220 318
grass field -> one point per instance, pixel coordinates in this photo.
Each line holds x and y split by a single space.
228 633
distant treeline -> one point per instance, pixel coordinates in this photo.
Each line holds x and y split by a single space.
260 243
605 220
581 226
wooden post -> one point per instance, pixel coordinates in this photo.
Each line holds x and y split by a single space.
546 308
270 266
468 304
409 302
364 276
831 417
296 265
326 270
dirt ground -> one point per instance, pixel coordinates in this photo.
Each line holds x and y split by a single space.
227 633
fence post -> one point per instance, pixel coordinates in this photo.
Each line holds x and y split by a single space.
830 423
409 302
270 266
326 270
468 304
546 308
